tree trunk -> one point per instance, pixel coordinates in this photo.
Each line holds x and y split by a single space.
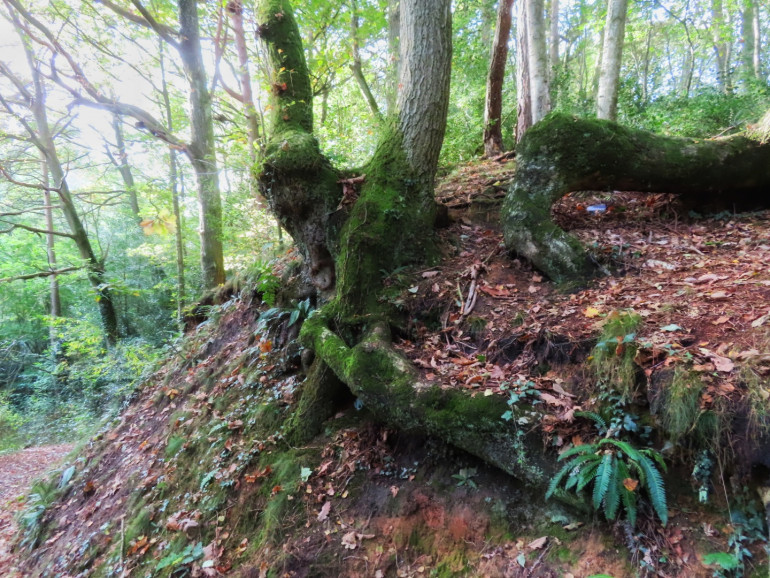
538 64
235 10
553 49
43 139
721 50
602 155
397 195
493 106
202 151
747 32
55 295
612 55
523 92
356 67
173 175
757 34
124 168
394 67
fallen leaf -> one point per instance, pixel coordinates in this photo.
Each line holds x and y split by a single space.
630 484
324 513
723 364
591 312
349 541
537 543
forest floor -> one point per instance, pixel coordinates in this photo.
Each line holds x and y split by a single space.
19 469
195 478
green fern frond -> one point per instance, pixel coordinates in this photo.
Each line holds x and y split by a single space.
578 450
593 416
655 488
657 456
624 447
587 475
628 498
602 480
568 467
612 498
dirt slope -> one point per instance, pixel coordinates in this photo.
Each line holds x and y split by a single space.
195 478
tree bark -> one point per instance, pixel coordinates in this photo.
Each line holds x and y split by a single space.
394 67
553 49
523 89
538 64
493 105
202 151
586 154
612 55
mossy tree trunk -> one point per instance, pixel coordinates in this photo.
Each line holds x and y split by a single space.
563 154
388 226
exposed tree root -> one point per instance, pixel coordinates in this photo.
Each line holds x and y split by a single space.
389 386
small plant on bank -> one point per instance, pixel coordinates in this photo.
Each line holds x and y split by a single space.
616 472
465 477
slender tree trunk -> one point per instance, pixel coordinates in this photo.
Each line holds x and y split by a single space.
51 251
202 151
394 67
355 66
718 33
523 89
235 10
124 168
553 50
43 139
174 182
757 34
493 106
612 56
538 64
747 33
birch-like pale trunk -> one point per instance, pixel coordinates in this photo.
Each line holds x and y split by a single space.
523 89
538 63
612 56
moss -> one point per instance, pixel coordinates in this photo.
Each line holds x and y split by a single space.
681 409
173 446
140 525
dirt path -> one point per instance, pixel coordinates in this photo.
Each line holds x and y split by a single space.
18 470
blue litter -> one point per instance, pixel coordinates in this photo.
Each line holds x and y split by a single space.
597 208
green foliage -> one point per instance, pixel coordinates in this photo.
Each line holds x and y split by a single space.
465 477
42 495
613 357
607 466
681 409
188 555
266 282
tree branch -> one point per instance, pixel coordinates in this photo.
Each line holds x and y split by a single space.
145 19
39 274
13 226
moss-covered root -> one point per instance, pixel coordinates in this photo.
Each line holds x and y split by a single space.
388 385
562 153
317 403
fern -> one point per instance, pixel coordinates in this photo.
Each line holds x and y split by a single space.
616 472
